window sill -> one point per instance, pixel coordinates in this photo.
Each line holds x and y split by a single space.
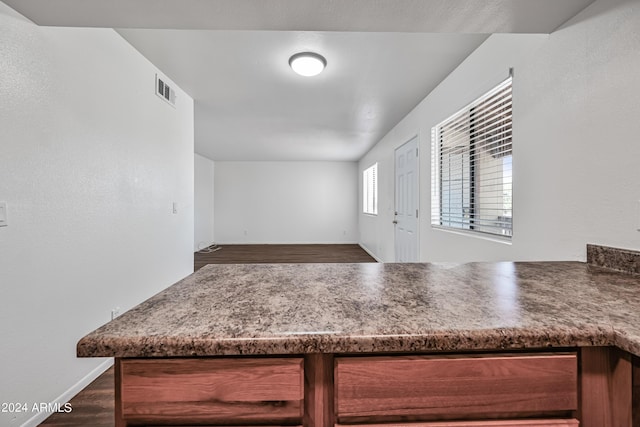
475 234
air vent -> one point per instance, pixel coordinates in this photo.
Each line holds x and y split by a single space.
166 92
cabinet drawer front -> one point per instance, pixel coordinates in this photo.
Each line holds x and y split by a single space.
455 386
497 423
212 390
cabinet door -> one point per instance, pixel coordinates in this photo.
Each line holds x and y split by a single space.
212 391
426 387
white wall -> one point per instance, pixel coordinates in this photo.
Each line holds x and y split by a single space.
91 162
286 202
575 130
203 205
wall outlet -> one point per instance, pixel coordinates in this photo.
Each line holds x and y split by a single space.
115 312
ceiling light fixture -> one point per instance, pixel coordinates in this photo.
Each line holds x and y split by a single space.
307 63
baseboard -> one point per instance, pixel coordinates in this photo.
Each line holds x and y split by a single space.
39 417
364 248
284 243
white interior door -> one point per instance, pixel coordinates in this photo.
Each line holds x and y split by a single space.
406 197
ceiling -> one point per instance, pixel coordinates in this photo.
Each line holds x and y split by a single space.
231 56
251 106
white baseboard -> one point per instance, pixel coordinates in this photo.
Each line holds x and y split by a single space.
369 252
285 243
39 417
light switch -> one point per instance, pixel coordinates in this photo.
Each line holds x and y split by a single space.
3 214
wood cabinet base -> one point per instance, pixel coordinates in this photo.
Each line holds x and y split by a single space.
495 423
592 387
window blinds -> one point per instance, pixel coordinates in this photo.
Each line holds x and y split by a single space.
370 190
471 166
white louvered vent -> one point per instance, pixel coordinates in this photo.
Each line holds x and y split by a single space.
164 91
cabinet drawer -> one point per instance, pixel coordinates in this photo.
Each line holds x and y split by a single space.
215 391
497 423
449 387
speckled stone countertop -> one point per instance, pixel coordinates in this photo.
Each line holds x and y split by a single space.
355 308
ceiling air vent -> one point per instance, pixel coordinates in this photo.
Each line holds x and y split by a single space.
164 91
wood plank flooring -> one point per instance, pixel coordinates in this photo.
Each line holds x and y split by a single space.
290 254
94 406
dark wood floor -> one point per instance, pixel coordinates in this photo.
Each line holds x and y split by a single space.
291 254
94 405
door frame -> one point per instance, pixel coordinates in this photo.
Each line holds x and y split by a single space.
415 136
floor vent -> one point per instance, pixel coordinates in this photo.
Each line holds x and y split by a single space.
164 91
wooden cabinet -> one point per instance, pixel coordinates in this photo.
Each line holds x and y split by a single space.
436 387
498 423
251 391
589 387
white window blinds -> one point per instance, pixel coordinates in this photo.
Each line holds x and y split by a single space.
471 185
370 190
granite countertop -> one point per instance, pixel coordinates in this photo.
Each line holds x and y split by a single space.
354 308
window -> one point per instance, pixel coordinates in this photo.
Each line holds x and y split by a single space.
370 190
471 157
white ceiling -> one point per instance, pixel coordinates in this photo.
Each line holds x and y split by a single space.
251 106
448 16
384 56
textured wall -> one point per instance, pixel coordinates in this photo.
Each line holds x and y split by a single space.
575 148
286 202
203 202
91 162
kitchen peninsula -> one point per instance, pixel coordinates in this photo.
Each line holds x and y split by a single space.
477 344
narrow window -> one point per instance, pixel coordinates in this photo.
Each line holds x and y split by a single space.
370 190
471 153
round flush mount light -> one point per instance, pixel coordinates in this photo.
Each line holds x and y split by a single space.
307 63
